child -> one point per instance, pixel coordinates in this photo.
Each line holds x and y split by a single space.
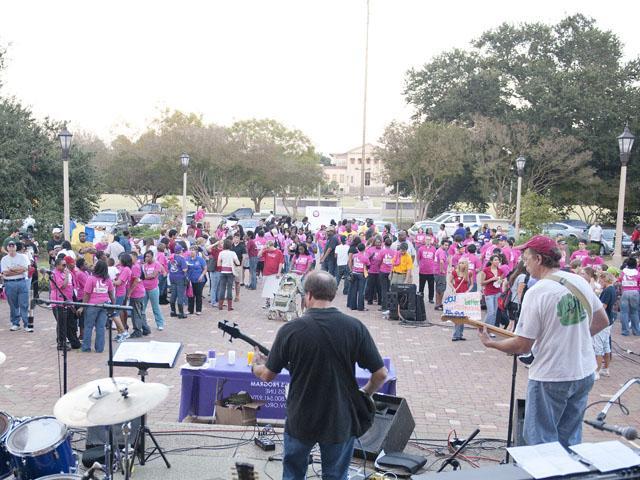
461 281
602 341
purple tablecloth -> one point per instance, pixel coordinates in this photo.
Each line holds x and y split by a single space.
200 385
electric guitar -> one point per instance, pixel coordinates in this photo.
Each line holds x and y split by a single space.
234 332
479 325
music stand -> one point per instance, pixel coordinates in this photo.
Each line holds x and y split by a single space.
140 355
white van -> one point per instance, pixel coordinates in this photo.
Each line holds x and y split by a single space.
472 220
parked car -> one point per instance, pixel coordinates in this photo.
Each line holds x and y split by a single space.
380 226
110 221
144 209
473 220
608 242
249 224
564 229
240 213
424 224
572 222
152 220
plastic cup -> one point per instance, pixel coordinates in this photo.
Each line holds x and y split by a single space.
250 357
231 357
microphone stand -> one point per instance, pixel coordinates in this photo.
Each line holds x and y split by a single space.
603 414
452 459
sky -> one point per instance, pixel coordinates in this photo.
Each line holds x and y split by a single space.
111 67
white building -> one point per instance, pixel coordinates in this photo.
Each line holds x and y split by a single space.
347 171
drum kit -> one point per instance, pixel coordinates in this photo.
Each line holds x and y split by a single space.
40 447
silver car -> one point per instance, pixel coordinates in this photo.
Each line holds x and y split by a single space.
567 231
608 242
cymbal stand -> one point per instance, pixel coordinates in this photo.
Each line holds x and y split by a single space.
126 431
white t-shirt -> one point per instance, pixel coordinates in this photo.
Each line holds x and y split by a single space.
114 249
595 233
553 317
8 262
228 260
342 254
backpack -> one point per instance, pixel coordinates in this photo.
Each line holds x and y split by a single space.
504 300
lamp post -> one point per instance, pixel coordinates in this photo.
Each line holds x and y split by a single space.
520 162
65 142
364 104
184 161
625 143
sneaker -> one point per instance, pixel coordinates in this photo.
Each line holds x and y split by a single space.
118 338
198 313
439 307
604 372
597 376
15 328
28 329
160 329
135 335
386 312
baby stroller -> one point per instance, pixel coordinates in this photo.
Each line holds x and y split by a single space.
287 301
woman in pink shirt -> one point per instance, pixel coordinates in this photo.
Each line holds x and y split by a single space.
374 290
152 271
421 238
427 268
135 294
98 290
120 284
630 299
358 266
386 266
161 258
61 289
301 261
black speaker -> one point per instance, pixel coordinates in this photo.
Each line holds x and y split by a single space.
518 423
392 303
392 427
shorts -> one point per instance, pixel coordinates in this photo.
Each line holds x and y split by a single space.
601 343
441 283
119 301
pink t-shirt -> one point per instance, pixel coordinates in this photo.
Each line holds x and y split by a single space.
161 258
98 289
386 265
475 264
579 255
441 261
58 277
359 260
630 280
595 262
421 239
124 275
261 242
79 279
375 259
427 259
150 270
301 264
138 290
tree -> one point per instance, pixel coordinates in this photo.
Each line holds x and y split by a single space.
426 156
536 211
570 78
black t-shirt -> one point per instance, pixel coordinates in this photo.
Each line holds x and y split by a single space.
608 297
319 403
240 250
330 246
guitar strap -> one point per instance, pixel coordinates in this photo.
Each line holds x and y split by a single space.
565 282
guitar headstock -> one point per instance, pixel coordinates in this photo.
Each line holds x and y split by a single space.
232 330
244 471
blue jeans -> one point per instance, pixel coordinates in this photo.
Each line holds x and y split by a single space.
153 296
138 317
336 458
94 317
225 288
253 266
342 271
215 281
554 411
355 300
179 291
162 285
18 297
492 308
629 312
330 265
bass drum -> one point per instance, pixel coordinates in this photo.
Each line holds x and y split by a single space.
6 424
40 446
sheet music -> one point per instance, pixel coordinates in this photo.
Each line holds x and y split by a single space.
160 353
607 456
546 460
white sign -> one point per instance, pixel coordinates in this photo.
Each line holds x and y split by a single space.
463 305
322 216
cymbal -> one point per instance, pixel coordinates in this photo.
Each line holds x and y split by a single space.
117 408
3 357
72 408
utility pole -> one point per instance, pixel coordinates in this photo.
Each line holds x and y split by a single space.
364 107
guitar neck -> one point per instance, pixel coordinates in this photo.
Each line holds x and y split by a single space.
253 343
478 324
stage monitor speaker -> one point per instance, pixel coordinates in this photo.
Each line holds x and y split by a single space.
391 429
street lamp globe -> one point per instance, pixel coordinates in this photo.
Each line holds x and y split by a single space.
184 160
65 139
625 143
520 162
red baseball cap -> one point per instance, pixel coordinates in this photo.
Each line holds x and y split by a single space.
540 244
69 260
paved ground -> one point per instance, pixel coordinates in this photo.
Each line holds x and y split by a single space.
448 385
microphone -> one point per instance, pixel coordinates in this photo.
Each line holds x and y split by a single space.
627 432
44 270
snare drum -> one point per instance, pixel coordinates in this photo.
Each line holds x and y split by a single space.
40 446
6 423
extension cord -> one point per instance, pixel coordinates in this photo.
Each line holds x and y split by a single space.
265 444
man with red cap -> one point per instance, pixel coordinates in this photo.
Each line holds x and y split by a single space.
560 314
